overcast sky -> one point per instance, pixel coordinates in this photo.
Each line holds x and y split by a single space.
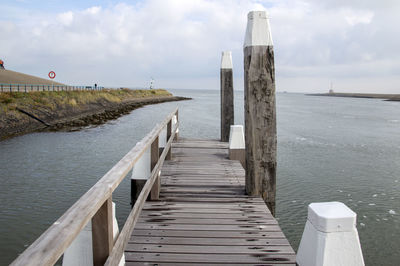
353 44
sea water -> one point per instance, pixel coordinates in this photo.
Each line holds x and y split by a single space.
329 149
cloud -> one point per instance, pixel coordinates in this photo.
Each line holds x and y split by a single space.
179 43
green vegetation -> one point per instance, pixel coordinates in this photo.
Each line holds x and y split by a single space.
58 99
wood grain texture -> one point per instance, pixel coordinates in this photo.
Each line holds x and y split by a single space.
102 233
260 123
122 240
204 216
48 248
154 155
227 108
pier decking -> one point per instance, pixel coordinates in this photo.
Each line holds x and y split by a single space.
203 215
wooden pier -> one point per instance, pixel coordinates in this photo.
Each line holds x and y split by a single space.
203 215
192 209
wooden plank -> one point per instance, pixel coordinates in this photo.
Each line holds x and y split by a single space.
207 234
102 233
213 227
208 249
209 241
203 221
136 263
209 258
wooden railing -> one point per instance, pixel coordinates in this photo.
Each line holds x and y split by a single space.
96 205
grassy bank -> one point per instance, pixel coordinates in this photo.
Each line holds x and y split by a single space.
51 101
21 112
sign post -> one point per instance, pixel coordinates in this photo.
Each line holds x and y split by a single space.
52 75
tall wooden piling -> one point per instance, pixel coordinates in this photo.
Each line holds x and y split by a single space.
227 114
260 113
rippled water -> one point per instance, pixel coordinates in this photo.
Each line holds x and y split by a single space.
328 149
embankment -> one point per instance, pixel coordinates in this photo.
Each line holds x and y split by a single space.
22 113
387 97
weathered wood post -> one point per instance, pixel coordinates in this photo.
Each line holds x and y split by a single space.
154 155
169 133
227 114
260 113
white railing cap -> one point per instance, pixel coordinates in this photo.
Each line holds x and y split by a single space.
226 60
331 217
258 31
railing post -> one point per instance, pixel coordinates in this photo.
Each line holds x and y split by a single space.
169 133
227 110
259 106
154 155
102 233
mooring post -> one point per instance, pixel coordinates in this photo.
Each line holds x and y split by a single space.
227 113
259 106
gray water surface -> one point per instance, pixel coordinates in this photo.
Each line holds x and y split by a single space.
329 149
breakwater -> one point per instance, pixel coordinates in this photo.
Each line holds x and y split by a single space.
387 97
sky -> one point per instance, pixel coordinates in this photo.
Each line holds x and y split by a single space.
353 45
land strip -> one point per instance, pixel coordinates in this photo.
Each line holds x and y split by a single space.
386 97
22 113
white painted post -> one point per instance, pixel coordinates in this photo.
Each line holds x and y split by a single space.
237 144
140 173
162 138
80 252
174 121
330 237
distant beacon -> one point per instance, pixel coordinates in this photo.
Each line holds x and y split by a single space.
1 64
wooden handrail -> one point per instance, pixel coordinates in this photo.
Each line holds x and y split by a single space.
48 248
126 231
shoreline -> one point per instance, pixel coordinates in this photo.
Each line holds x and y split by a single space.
92 114
386 97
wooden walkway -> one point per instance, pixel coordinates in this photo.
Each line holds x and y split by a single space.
204 216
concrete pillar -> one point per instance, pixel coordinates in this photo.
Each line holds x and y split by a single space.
227 113
330 237
259 107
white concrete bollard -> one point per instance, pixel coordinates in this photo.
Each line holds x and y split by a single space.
80 252
330 237
237 144
141 169
174 121
162 138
